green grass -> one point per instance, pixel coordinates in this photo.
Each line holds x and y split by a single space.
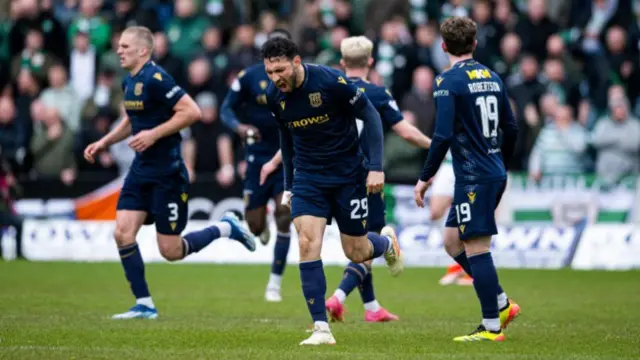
61 311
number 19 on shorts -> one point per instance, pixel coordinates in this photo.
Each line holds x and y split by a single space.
463 212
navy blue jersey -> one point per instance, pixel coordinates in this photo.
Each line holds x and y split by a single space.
384 103
149 98
319 119
472 105
246 102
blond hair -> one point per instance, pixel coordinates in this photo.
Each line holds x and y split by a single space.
142 35
356 51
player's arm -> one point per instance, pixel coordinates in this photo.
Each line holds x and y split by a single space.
226 173
391 115
363 109
234 98
118 133
270 166
445 117
185 113
509 128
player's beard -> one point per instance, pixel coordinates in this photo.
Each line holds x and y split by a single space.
293 80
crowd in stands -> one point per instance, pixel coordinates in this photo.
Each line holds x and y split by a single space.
571 67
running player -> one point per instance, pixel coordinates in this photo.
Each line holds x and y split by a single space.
156 187
471 107
260 133
357 61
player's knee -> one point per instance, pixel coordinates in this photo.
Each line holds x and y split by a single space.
171 250
283 219
437 213
358 251
452 244
256 226
309 249
123 236
477 245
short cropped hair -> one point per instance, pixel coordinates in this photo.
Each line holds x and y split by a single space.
459 35
143 35
356 51
279 46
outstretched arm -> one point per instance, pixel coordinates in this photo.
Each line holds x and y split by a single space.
412 134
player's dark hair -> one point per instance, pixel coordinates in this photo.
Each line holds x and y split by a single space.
459 34
279 32
279 46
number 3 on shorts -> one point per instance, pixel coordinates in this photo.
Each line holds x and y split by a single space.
463 212
359 206
173 211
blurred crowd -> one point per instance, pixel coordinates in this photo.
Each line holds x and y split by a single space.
571 66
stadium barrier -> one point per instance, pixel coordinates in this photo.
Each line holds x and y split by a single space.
582 246
76 224
561 201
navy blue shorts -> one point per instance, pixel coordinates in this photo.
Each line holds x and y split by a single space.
256 196
164 198
377 212
473 209
347 203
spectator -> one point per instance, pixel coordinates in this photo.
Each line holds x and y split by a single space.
220 61
199 77
489 31
27 91
82 66
419 101
392 59
52 145
9 189
617 139
62 97
506 63
28 15
214 146
100 124
186 29
556 48
427 49
311 31
244 53
163 57
130 13
13 135
88 21
560 147
623 61
331 55
534 28
107 95
268 23
33 57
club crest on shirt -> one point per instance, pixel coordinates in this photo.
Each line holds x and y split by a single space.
137 90
315 99
263 84
472 196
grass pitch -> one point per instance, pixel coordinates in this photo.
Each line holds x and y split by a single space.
61 311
